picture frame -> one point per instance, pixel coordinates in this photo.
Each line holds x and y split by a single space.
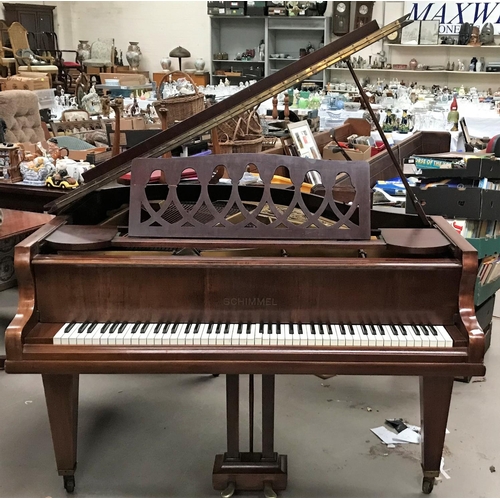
410 34
429 32
304 141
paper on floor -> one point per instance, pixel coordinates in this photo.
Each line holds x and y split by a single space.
385 435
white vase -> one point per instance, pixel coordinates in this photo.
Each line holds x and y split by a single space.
166 63
134 55
199 64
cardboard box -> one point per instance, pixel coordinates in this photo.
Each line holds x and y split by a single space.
358 126
364 153
25 81
81 154
126 79
135 123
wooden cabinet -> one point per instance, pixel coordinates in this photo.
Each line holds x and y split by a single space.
37 19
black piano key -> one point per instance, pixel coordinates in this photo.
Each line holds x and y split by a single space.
394 330
301 331
144 327
114 327
197 328
82 327
121 327
432 329
158 328
239 330
414 330
69 327
423 330
365 329
135 327
343 330
378 329
188 328
165 328
106 327
91 327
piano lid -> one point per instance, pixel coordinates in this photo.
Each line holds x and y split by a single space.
245 99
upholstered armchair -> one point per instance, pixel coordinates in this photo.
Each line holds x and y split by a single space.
102 54
19 109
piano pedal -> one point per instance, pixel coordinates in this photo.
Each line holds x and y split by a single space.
229 491
69 483
251 472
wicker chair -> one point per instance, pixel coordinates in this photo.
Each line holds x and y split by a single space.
102 54
25 59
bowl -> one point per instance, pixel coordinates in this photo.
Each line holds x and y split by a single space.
282 56
352 106
112 81
275 56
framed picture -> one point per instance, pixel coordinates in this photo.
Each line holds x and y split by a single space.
429 32
410 34
304 140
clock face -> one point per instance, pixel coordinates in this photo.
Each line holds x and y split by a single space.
393 35
363 10
341 7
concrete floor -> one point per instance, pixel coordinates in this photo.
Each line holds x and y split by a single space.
156 436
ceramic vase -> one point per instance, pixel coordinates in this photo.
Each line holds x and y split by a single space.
199 64
83 50
134 55
321 6
166 63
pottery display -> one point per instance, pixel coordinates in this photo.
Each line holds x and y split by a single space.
134 55
83 51
199 64
166 63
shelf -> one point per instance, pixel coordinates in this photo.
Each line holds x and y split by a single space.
485 246
284 59
308 28
484 292
237 61
437 72
443 46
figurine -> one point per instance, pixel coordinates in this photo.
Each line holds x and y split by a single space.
453 115
464 34
486 36
460 65
406 123
389 121
474 37
473 64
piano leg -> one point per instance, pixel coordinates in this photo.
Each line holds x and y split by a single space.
235 470
435 398
61 396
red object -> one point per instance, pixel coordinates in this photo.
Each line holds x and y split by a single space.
188 174
494 146
454 105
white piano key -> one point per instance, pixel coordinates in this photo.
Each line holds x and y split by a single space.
417 341
273 334
380 337
290 333
243 337
118 337
448 340
202 329
224 334
307 337
356 337
393 338
265 334
189 334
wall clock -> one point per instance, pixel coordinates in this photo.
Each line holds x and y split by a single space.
394 37
341 16
363 15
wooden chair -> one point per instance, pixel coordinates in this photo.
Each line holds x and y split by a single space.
6 55
25 58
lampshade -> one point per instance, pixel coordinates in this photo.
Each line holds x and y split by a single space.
180 52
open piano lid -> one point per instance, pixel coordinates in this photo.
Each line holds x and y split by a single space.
232 106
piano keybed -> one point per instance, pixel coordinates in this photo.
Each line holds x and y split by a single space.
253 334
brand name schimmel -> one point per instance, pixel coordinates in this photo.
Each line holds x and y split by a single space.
249 301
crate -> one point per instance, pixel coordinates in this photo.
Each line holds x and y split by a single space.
475 168
46 98
451 202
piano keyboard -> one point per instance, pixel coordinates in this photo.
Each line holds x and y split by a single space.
253 334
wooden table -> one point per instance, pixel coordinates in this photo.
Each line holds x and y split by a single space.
15 226
22 197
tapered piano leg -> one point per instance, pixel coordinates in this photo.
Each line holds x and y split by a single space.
435 398
234 470
61 396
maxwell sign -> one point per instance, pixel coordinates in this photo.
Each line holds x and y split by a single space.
453 14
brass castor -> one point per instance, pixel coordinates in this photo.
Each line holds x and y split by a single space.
427 484
229 491
268 490
69 483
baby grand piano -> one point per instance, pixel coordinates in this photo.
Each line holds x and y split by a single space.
218 278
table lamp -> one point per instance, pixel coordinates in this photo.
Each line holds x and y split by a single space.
180 52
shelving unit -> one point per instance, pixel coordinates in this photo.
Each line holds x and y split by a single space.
433 55
281 35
